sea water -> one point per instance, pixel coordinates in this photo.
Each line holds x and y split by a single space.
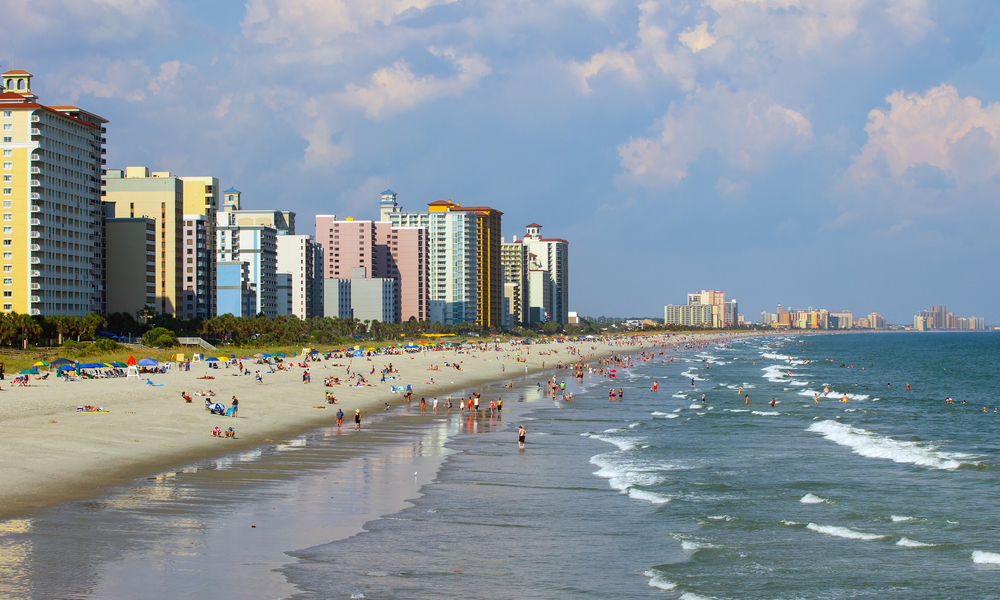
889 495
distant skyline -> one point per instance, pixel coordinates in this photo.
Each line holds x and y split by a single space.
843 154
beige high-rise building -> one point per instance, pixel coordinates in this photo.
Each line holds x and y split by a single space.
514 260
302 259
53 237
184 209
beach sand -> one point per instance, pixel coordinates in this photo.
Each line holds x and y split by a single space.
54 453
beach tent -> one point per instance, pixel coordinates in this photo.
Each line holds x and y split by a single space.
60 362
148 362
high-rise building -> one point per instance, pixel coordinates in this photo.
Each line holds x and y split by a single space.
236 295
551 255
452 263
539 295
721 318
489 270
876 321
136 193
250 236
301 258
688 315
198 256
131 248
201 197
514 260
53 231
402 254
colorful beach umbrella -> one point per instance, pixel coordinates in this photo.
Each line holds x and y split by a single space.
40 363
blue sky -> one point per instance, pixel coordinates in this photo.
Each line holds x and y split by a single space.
830 153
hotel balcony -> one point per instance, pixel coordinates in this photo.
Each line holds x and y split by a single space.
35 118
36 196
36 131
35 311
36 170
35 260
36 208
36 157
36 183
36 273
35 300
36 221
36 286
35 247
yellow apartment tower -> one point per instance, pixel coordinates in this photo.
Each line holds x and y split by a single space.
53 247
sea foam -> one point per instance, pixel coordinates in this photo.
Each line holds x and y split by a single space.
866 443
985 558
899 519
658 581
811 498
766 413
843 532
651 497
908 543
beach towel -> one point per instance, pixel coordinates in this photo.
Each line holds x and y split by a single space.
229 411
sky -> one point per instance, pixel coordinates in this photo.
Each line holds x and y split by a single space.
839 154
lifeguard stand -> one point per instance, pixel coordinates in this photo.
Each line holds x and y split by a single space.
197 358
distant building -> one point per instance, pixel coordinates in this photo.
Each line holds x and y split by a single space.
237 296
876 321
301 259
514 260
255 245
688 315
131 266
551 255
199 293
368 298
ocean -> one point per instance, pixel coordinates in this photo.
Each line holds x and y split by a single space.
890 494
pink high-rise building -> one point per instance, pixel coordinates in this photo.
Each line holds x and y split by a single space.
384 251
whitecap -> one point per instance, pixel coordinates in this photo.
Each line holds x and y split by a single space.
695 406
624 444
898 519
738 410
791 523
657 413
679 395
692 596
798 383
985 558
868 444
651 497
766 413
811 498
631 425
908 543
843 532
726 518
658 581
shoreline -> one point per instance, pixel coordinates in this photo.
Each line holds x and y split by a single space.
56 454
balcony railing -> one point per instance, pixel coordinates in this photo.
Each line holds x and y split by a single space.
35 247
35 299
36 131
36 196
36 286
35 169
36 183
36 273
35 118
36 221
35 260
36 157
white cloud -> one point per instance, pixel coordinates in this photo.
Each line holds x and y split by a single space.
310 31
122 79
90 20
743 127
606 60
697 39
395 89
222 108
807 26
928 140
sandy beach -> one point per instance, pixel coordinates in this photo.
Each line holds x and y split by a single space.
54 453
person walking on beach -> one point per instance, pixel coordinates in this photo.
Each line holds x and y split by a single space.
236 405
621 395
475 403
499 407
423 406
340 419
357 419
434 406
520 436
258 379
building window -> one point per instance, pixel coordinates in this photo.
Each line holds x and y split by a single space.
7 166
8 268
8 126
8 306
8 216
8 229
8 152
8 177
8 191
8 294
7 113
8 139
8 256
8 242
8 281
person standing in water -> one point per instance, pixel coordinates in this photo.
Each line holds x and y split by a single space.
748 399
520 436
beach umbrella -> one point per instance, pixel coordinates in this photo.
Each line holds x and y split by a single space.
29 371
258 355
358 353
67 367
40 363
118 365
59 362
148 362
91 366
211 359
